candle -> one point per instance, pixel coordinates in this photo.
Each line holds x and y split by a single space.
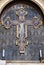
3 52
40 53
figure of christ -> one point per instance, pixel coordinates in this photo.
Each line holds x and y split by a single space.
21 37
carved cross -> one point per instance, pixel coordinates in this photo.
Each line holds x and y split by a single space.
21 30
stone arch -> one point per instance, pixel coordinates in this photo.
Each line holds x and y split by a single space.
37 2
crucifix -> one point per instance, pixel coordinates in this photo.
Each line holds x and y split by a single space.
21 30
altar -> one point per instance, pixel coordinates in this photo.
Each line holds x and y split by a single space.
4 62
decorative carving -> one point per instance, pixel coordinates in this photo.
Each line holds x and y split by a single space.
21 29
7 23
36 23
21 13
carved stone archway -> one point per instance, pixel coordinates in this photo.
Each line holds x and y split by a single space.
40 3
